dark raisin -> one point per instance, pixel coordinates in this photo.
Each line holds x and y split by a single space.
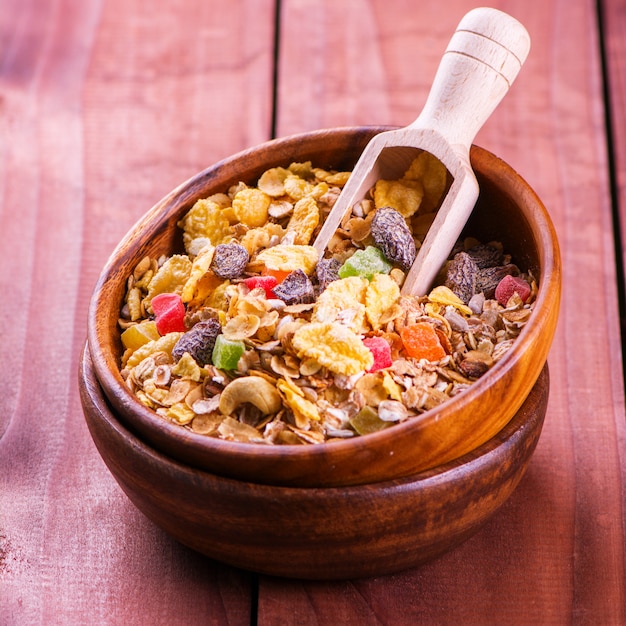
485 256
229 260
198 342
487 279
461 275
296 288
327 271
393 237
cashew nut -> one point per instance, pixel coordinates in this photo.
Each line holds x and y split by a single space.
253 389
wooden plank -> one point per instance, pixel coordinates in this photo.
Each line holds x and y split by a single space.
105 106
555 553
614 27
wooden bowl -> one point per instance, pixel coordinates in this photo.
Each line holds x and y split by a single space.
317 533
508 211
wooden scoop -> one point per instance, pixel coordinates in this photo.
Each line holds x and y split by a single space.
479 65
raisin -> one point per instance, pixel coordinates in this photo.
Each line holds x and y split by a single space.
461 276
485 256
393 237
198 342
487 279
327 271
229 260
295 289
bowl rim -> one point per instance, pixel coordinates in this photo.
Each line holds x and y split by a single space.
548 295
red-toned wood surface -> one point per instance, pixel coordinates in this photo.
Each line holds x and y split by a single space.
104 107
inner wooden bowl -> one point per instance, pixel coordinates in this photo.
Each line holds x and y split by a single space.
508 211
318 533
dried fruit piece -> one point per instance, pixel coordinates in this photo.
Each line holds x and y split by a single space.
327 271
295 289
264 282
229 260
381 351
365 263
421 341
392 235
510 285
226 353
366 421
461 276
485 255
487 279
169 312
137 335
198 342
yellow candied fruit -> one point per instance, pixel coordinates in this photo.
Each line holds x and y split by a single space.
162 344
140 334
251 207
205 220
405 196
382 293
304 220
170 278
289 257
333 346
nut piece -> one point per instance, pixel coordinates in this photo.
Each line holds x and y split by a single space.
253 389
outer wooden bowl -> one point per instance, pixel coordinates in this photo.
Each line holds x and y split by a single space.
508 210
318 533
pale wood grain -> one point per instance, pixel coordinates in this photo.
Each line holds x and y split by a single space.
105 106
556 553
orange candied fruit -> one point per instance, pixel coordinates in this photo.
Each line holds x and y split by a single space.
279 275
420 341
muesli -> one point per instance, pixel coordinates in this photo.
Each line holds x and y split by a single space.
249 336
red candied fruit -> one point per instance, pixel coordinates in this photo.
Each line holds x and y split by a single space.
265 282
381 350
169 312
510 285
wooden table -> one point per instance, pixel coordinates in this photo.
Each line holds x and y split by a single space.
106 105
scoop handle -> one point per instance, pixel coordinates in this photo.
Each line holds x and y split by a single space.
479 65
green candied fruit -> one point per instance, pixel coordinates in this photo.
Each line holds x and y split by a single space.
226 353
367 421
365 263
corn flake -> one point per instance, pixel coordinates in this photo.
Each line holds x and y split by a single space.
445 295
289 257
162 344
432 173
333 346
205 220
272 182
404 196
303 410
304 220
171 277
382 294
343 300
251 207
199 268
